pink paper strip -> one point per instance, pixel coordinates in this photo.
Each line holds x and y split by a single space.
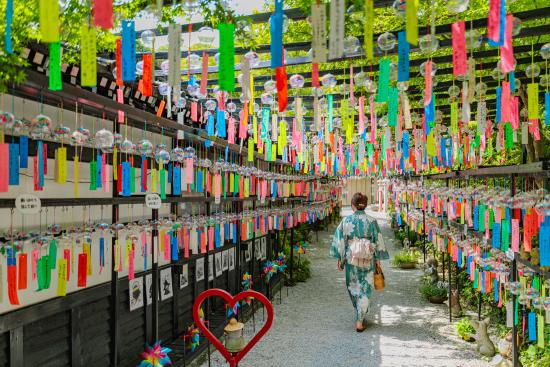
231 130
460 64
189 174
194 111
505 106
204 73
361 115
493 23
104 171
514 112
372 121
185 243
131 265
66 256
34 263
167 246
4 167
515 235
243 125
507 50
428 85
218 185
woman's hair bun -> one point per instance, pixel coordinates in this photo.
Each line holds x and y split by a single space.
359 201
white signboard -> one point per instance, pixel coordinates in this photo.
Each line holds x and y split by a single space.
28 204
153 201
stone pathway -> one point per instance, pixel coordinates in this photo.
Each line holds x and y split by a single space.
314 325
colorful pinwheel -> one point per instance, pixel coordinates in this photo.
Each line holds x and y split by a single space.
247 284
281 261
232 311
193 337
301 247
270 268
155 356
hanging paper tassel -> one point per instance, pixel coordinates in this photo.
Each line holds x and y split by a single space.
14 164
318 33
227 57
7 35
383 81
336 35
411 25
282 88
103 13
547 108
403 49
507 61
204 74
62 274
49 20
174 56
12 276
368 29
147 81
118 60
4 167
496 24
428 85
22 267
533 101
128 51
88 61
82 270
460 64
101 254
276 31
23 151
55 82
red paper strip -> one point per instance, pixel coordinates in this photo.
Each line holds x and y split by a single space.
282 88
131 274
144 167
147 86
204 73
45 158
119 81
194 112
460 64
12 285
103 13
4 167
161 108
315 75
186 243
82 270
67 256
23 265
507 62
34 263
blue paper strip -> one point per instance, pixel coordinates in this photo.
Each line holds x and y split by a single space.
495 289
7 35
512 78
174 249
40 149
403 50
217 237
128 51
429 111
143 174
499 101
170 172
330 112
14 164
476 217
502 26
544 242
102 251
199 181
221 125
126 179
547 108
496 235
23 151
176 183
99 165
276 31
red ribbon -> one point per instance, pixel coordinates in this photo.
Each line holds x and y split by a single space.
144 174
119 81
12 284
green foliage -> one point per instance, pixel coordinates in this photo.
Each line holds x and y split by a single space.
535 356
464 328
428 290
405 257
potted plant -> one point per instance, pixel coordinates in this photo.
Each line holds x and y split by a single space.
434 293
405 259
465 329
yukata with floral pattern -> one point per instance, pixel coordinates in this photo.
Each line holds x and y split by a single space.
359 280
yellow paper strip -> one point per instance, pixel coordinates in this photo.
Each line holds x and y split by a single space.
75 169
162 233
246 187
250 150
49 20
127 253
62 277
412 22
533 101
154 180
116 265
251 103
87 248
369 22
255 129
62 165
115 164
88 61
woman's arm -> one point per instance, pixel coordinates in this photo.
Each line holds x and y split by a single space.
338 246
381 253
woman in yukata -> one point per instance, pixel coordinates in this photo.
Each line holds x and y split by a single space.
359 228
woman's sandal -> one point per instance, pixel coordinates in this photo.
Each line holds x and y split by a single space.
361 330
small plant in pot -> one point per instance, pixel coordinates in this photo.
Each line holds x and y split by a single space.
434 293
465 329
405 259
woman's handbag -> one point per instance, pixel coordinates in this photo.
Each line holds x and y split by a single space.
379 281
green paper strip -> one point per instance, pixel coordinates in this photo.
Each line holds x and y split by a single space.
93 175
491 218
505 235
509 136
132 180
370 150
236 183
383 81
55 66
52 254
40 273
227 57
481 218
47 273
393 106
268 150
224 186
163 184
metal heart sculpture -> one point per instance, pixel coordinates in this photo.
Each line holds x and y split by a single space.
232 359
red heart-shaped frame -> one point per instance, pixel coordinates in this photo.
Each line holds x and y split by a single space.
232 359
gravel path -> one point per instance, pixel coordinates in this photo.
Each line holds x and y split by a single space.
314 325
